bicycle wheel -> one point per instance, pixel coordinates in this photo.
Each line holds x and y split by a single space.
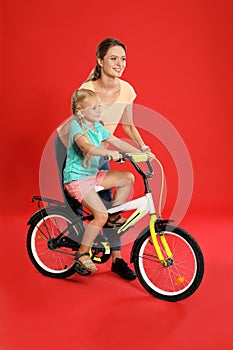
184 273
47 224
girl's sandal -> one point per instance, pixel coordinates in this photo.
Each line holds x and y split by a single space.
88 265
118 221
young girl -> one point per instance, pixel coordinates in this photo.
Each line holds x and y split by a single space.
81 173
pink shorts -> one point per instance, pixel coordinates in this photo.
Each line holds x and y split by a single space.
80 188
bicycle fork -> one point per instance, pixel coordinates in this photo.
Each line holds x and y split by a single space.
154 223
164 261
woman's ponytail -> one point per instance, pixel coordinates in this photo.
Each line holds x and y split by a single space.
97 72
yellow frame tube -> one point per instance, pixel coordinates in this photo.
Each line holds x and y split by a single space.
153 219
166 247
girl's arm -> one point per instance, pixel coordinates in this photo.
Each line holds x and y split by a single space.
89 149
129 127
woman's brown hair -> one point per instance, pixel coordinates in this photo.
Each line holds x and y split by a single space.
101 51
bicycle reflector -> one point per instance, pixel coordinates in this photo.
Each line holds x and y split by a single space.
179 280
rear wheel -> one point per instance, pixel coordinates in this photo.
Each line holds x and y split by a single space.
184 272
48 258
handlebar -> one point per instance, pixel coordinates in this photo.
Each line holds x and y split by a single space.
135 158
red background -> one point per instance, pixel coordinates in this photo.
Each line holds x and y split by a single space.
180 64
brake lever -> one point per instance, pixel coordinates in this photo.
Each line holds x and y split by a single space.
151 170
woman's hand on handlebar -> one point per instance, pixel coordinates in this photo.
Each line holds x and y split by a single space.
147 150
150 155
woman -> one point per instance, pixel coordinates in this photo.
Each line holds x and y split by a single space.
116 98
116 95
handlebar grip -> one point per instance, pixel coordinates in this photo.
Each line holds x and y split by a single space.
120 160
108 158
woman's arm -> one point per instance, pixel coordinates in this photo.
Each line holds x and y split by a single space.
126 147
130 129
122 145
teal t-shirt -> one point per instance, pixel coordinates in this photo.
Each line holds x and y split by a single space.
74 169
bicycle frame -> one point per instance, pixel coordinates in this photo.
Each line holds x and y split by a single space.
143 206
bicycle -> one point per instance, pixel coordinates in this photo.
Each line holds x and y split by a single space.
168 261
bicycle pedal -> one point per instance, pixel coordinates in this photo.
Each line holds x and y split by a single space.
81 270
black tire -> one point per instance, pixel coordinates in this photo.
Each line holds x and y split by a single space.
44 225
177 281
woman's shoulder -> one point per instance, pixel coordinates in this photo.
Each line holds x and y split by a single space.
125 84
87 85
127 90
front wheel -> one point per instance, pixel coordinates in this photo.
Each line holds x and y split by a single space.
184 272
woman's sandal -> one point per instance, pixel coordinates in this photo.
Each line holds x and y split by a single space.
116 222
88 265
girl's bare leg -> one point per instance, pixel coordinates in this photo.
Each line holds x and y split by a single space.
123 181
95 205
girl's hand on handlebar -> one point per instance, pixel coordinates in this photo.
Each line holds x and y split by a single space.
113 155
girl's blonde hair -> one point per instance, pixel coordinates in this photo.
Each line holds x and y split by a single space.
78 103
78 99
